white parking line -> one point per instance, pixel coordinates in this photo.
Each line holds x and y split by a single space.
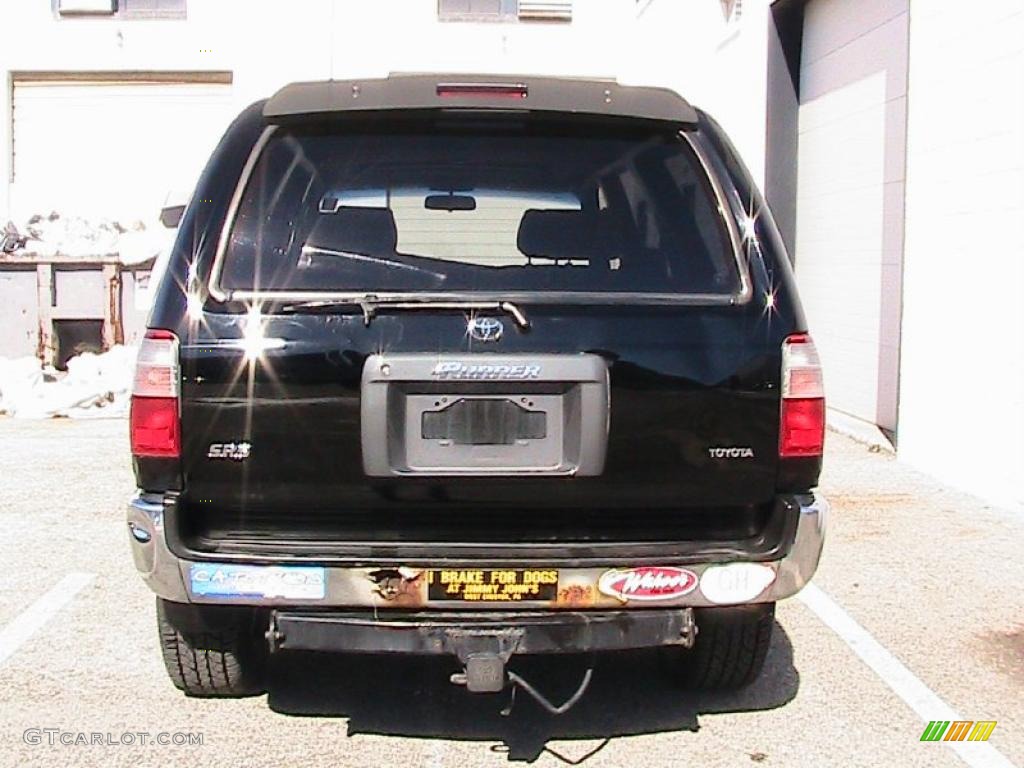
904 683
32 619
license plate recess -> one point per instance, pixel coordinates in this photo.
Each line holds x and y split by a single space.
484 415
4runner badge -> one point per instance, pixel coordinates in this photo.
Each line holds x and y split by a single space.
233 451
486 372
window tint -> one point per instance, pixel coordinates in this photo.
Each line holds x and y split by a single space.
471 211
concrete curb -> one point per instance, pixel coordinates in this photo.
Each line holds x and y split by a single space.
857 429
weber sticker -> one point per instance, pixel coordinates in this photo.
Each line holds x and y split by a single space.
496 585
649 582
228 581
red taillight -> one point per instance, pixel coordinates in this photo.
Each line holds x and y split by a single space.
155 426
802 416
802 430
482 90
154 421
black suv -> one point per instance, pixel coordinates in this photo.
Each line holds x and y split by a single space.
481 367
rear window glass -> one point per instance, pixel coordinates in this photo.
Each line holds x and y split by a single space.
477 209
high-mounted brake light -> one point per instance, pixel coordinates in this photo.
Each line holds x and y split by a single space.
154 421
802 417
480 90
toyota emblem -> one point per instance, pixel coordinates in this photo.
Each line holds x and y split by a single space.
485 328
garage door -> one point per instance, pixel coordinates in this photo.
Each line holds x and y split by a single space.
850 180
112 149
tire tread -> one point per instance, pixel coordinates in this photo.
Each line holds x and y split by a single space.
209 663
729 652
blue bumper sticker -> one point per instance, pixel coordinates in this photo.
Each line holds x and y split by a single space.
291 582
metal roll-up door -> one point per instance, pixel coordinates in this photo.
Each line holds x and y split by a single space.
109 148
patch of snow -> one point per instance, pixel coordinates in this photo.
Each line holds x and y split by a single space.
133 241
18 378
96 386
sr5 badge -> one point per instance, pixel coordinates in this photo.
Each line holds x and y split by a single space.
233 451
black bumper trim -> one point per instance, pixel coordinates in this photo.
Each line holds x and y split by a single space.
773 542
462 634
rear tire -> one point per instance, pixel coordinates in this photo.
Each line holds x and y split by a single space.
211 651
730 649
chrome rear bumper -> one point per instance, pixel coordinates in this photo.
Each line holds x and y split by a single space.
399 587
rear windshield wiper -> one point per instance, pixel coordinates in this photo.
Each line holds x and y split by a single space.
371 305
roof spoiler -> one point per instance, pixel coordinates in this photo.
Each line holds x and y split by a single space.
505 93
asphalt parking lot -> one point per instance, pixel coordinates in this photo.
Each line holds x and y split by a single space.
917 613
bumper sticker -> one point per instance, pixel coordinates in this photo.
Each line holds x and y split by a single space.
273 581
647 583
492 585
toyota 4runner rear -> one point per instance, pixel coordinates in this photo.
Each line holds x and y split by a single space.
480 367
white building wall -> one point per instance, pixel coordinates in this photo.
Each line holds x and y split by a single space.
264 45
962 371
849 233
407 36
718 65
